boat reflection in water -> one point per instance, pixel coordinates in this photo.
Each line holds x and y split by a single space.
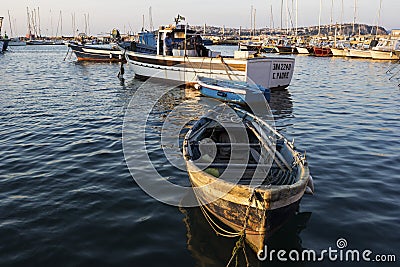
210 250
281 104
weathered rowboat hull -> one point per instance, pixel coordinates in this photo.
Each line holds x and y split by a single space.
257 211
278 205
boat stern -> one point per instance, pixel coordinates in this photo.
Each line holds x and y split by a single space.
274 73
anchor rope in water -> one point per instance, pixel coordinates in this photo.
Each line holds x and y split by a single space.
241 244
219 230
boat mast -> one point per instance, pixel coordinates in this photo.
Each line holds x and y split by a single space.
297 10
34 22
272 19
73 24
254 23
28 22
354 18
38 14
9 20
88 25
379 17
251 21
61 24
151 19
341 19
287 17
331 24
281 15
319 19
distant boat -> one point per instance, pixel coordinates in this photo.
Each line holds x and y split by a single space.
358 53
44 42
301 50
245 173
17 42
250 46
385 50
339 50
238 92
361 50
190 58
284 47
322 51
208 42
96 53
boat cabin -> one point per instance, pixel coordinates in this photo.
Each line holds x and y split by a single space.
179 40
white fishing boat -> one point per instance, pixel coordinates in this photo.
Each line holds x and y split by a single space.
185 57
340 49
385 50
358 53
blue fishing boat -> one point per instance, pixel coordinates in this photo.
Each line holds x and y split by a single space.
239 92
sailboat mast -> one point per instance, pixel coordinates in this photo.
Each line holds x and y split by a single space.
331 24
379 17
251 21
341 18
272 19
297 13
281 15
151 19
61 24
88 24
29 23
319 19
254 22
9 20
287 17
354 16
38 14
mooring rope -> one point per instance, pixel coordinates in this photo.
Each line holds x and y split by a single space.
241 244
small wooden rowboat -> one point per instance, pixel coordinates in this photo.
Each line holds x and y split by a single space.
245 174
238 92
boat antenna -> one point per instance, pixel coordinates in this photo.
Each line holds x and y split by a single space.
178 19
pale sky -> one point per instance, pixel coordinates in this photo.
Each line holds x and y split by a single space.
126 15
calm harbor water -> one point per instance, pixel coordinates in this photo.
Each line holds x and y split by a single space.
67 196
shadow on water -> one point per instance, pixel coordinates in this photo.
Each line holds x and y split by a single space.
210 250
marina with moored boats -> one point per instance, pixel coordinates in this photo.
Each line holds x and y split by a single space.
213 110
